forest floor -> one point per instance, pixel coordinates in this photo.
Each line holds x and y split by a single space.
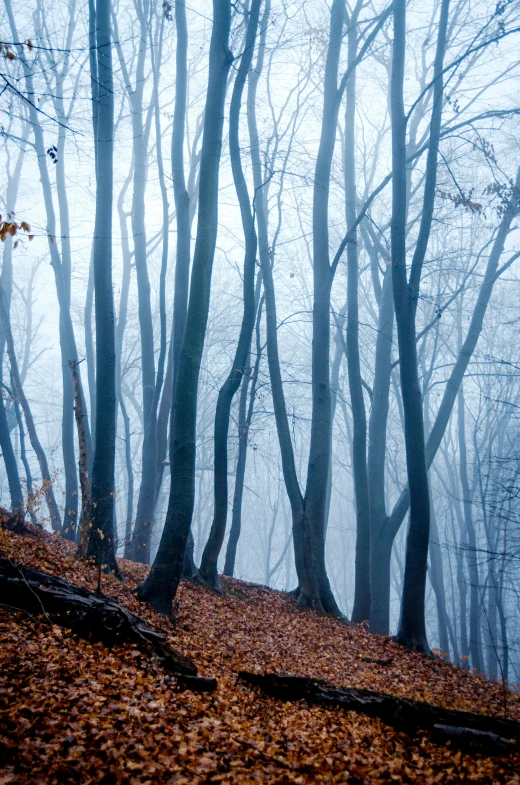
73 712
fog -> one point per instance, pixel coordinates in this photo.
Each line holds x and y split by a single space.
294 108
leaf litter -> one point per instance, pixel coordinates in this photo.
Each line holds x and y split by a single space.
76 712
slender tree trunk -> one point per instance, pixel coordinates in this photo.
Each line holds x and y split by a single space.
90 356
412 627
245 416
442 418
208 566
6 279
141 541
380 545
470 544
301 552
437 581
120 331
161 585
67 337
361 609
11 465
315 500
25 462
86 508
101 540
35 442
70 515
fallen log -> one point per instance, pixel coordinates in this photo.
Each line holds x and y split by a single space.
491 735
93 617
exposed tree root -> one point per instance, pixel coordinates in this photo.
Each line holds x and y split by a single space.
490 735
92 616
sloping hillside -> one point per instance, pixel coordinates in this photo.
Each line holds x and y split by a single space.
72 712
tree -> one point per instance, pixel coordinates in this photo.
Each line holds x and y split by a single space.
208 567
101 540
161 584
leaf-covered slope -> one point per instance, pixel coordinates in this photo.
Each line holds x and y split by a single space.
72 712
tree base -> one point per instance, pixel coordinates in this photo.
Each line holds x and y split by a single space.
414 644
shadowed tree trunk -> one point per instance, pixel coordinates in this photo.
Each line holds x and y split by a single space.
315 499
273 360
101 540
208 566
86 506
412 627
162 582
361 609
380 547
141 540
384 538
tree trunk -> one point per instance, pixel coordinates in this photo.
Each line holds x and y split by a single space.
6 279
265 253
361 609
380 545
67 337
208 566
412 627
86 507
162 582
244 426
437 581
470 544
101 540
141 541
35 442
315 500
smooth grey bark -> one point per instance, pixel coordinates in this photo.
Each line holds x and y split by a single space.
162 582
209 562
141 540
315 499
86 501
70 515
90 355
120 331
156 54
380 545
412 627
361 608
184 217
101 540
